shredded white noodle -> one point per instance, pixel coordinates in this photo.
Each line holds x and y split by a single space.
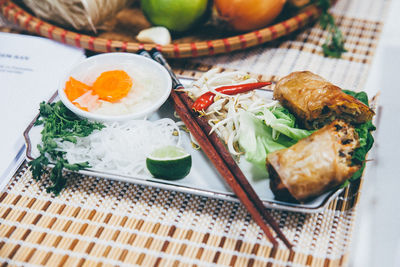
122 147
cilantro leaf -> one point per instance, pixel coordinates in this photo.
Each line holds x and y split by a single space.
334 44
59 124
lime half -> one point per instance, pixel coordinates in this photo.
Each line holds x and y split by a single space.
169 162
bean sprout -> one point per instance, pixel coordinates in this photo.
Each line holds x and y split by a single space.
224 112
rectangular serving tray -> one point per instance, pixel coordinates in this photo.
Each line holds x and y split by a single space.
202 180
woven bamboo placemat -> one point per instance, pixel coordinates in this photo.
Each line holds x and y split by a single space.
99 221
103 222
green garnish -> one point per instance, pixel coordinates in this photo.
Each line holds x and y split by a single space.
60 124
334 44
269 130
366 139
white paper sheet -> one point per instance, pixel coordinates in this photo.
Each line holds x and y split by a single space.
30 70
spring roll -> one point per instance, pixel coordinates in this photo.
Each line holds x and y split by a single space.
316 102
315 164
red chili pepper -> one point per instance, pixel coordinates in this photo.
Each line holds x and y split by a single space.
206 99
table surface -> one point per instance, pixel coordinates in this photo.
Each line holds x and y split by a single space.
377 236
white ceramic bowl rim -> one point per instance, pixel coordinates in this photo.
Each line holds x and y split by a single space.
136 115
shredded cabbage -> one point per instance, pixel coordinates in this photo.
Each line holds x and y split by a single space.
283 122
223 114
250 123
267 131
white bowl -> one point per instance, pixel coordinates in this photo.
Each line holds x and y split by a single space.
89 69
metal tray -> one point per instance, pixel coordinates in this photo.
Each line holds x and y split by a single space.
202 180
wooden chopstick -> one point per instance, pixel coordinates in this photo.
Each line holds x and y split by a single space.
188 118
234 168
221 158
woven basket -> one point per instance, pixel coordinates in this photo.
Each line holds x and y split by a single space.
19 16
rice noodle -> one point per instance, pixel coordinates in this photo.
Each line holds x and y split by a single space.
122 148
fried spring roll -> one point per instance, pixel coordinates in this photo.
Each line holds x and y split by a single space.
316 102
315 164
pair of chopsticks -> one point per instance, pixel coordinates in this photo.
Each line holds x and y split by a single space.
216 151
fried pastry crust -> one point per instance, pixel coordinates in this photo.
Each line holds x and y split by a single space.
316 102
315 164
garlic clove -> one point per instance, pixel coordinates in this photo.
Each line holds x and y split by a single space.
156 35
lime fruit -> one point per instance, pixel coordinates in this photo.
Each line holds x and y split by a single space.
169 162
176 15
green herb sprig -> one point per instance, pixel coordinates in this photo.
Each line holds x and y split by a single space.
334 43
60 124
366 139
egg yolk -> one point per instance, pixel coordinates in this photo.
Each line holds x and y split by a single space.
74 88
112 85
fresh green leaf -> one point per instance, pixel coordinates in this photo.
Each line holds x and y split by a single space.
45 109
283 122
38 122
76 166
362 96
71 139
59 125
366 140
255 139
270 130
334 43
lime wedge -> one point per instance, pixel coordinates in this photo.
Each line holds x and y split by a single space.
169 162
